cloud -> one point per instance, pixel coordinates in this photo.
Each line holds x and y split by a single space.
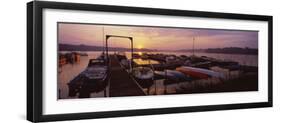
157 37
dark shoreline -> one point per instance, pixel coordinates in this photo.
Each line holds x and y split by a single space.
155 51
225 50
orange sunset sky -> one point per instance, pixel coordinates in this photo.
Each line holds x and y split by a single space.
155 37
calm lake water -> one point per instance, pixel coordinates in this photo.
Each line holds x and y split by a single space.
70 71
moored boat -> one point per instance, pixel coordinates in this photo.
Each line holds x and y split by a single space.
143 72
121 55
96 70
199 72
83 54
102 56
172 75
144 76
92 79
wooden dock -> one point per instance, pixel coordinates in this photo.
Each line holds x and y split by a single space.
121 83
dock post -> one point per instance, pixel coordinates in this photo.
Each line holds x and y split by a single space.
155 87
106 49
165 89
59 94
132 52
104 92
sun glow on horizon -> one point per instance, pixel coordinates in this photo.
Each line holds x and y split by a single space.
139 46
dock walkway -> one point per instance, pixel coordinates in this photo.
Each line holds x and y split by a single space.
121 83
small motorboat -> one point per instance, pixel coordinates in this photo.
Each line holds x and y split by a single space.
204 65
121 55
102 56
125 63
83 54
144 76
97 73
136 56
144 56
178 74
232 67
199 73
96 70
143 73
171 59
172 75
92 79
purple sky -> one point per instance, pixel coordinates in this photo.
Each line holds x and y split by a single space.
156 37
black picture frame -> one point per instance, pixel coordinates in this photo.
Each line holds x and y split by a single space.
35 69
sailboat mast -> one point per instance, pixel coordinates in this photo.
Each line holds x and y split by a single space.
103 37
193 45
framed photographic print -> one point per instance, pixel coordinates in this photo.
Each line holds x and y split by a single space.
96 61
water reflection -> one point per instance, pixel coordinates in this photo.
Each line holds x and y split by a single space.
145 62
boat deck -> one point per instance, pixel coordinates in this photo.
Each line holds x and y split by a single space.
121 83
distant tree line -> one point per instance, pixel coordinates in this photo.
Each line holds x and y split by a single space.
233 50
82 47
